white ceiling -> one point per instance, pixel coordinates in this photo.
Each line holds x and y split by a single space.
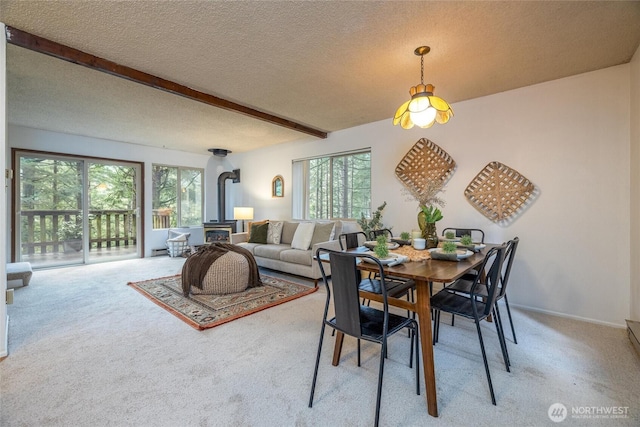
330 65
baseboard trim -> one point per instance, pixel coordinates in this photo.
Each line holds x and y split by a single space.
569 316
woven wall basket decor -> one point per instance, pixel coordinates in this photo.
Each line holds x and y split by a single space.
499 192
424 162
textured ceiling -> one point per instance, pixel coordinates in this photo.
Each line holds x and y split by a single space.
328 65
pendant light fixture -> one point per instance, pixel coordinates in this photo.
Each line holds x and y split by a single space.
423 109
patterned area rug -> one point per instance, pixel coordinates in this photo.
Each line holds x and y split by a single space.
207 311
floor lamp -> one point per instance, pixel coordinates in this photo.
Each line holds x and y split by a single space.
242 214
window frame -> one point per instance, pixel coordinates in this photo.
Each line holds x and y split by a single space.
178 198
301 185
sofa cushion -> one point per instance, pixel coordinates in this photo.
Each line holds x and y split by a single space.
270 250
258 233
275 232
322 232
303 235
249 246
288 230
296 256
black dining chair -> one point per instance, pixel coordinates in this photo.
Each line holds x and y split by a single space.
463 285
352 240
477 305
373 234
357 320
396 287
476 234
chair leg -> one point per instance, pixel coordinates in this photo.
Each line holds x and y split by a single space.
436 326
315 371
380 374
416 337
503 342
358 352
513 331
486 364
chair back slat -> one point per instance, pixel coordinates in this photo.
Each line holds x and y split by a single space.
373 234
492 266
510 254
473 232
346 300
351 240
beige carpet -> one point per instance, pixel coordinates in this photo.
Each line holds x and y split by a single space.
87 350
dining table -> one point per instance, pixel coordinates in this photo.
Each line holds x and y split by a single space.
425 273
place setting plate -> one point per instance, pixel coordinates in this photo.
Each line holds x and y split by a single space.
460 253
388 260
475 246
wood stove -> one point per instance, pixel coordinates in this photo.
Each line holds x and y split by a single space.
215 231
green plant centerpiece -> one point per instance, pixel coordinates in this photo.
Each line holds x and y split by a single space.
427 218
449 247
450 235
381 249
466 240
375 223
428 202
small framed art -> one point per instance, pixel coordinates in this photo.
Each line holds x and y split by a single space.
277 186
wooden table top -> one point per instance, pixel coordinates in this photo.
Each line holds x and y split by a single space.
431 270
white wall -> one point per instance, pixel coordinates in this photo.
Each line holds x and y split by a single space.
35 139
635 187
570 137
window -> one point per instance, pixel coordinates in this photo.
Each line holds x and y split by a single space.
177 196
336 186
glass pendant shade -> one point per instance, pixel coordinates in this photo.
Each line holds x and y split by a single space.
423 109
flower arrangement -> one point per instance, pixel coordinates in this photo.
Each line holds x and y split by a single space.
428 195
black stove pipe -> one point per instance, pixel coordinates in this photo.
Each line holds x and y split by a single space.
235 176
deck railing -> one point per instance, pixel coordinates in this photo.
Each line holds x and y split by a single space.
107 229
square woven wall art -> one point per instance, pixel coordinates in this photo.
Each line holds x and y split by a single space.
424 162
499 192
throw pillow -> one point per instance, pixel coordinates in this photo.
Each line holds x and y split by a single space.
251 223
288 230
322 233
258 233
302 237
275 232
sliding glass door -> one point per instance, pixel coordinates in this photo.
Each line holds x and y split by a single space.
73 210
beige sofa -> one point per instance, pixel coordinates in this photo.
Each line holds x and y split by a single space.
282 257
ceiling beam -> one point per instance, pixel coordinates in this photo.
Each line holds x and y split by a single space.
39 44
